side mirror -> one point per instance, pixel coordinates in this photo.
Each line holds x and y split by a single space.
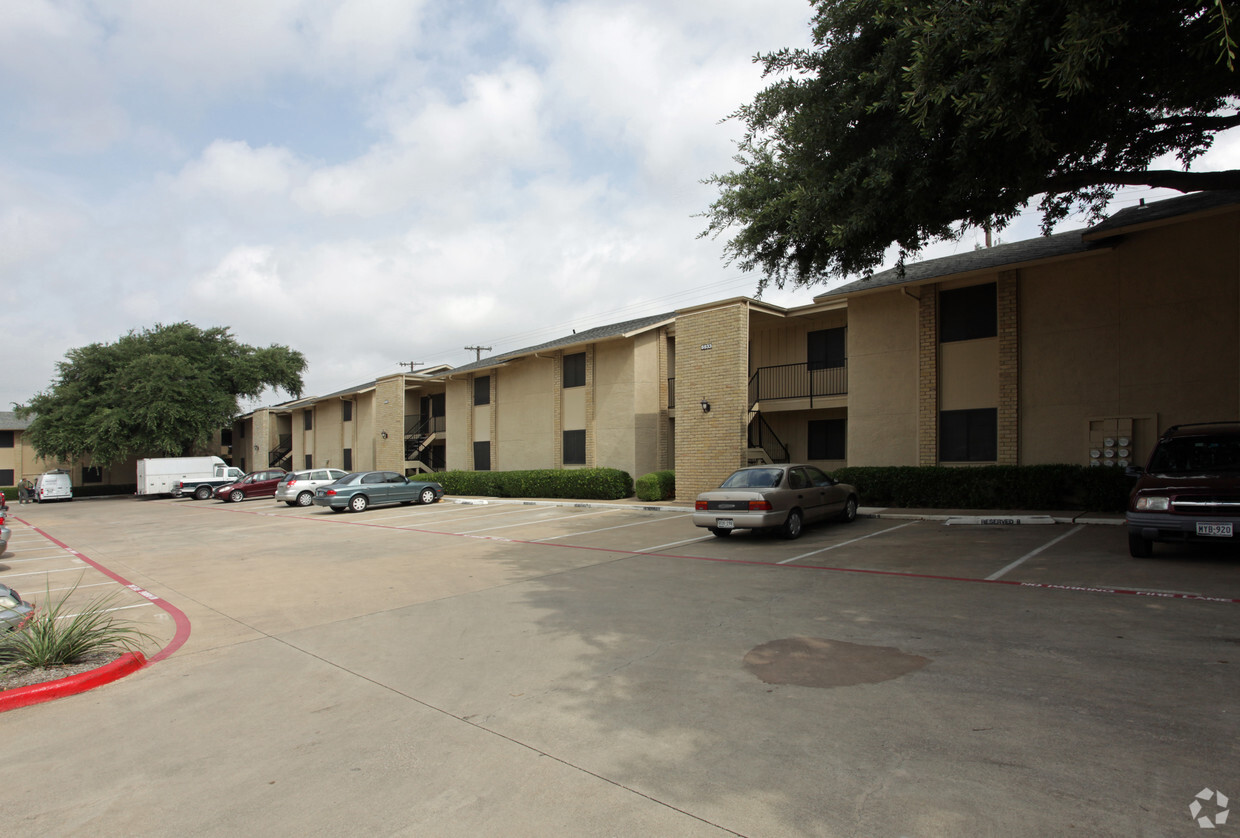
1134 471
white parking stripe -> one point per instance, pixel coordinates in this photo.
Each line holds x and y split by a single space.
537 521
846 543
605 529
999 573
44 572
673 544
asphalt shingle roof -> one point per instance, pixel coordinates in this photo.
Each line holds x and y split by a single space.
588 336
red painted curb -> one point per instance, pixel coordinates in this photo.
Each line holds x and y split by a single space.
25 696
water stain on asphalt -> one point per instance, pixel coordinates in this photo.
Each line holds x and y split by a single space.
818 662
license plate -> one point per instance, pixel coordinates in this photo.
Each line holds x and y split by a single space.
726 523
1223 530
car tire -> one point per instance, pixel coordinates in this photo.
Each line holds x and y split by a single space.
850 510
358 503
202 493
718 533
1138 547
305 499
427 496
792 526
236 496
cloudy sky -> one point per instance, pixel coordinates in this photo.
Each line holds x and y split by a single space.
368 181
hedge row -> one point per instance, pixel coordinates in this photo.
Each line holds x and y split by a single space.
657 485
991 487
584 483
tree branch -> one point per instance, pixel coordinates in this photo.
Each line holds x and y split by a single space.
1159 178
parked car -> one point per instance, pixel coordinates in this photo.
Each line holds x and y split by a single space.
774 497
256 484
53 485
1189 490
13 611
297 487
5 535
361 489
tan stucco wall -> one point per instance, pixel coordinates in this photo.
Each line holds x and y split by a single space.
626 411
882 380
782 340
969 374
1151 328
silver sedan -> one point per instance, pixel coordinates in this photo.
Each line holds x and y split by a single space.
774 497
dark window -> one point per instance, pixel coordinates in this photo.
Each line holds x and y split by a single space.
346 411
826 439
6 477
348 459
482 390
92 474
6 439
967 436
482 456
968 313
575 370
308 421
309 461
575 448
226 436
824 349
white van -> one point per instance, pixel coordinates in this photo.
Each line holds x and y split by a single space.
53 485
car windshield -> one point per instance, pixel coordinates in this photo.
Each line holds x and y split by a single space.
1197 454
754 478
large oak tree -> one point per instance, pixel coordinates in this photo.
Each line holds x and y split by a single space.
160 392
911 121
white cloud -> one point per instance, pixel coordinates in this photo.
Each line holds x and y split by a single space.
232 168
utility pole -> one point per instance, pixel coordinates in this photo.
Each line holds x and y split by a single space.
478 350
410 364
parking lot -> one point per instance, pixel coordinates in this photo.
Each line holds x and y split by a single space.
532 669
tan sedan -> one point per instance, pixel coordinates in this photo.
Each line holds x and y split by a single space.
779 497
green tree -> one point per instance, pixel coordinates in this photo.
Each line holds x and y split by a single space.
912 121
159 392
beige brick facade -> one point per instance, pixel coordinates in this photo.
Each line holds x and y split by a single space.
712 365
1009 368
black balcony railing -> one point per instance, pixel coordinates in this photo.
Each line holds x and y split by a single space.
671 393
796 381
284 447
418 431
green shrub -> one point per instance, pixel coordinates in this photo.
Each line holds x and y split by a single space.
51 638
657 485
991 487
584 483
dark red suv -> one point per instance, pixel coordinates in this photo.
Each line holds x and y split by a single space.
1190 490
256 484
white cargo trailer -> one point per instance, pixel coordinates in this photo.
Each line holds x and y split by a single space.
163 475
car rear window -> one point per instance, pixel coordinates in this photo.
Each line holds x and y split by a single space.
1197 454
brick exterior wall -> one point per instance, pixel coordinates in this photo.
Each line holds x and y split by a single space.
662 453
1009 368
591 447
389 418
712 363
928 377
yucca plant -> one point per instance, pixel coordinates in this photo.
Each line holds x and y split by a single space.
50 637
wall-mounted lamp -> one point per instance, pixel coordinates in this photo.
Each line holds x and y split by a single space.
383 434
705 406
256 446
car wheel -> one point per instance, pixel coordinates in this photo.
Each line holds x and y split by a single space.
427 496
850 511
1138 547
305 499
718 533
236 496
202 493
792 527
358 503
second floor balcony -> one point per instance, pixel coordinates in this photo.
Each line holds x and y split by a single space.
789 382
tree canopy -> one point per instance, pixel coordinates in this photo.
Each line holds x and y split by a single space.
912 121
159 392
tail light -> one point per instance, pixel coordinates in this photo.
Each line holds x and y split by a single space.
700 506
330 492
759 506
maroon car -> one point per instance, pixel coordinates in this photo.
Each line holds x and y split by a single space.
1190 490
256 484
